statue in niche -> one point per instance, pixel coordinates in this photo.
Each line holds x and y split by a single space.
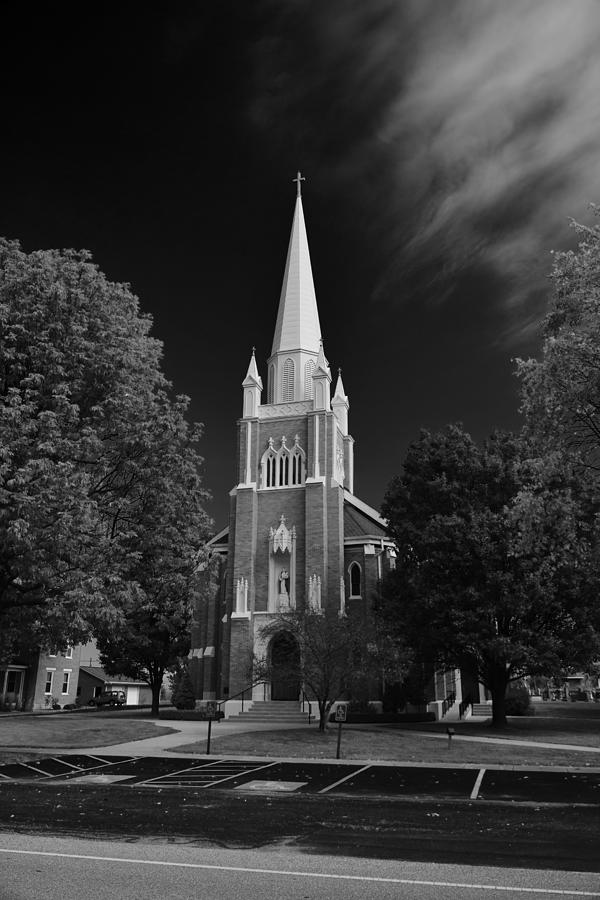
283 579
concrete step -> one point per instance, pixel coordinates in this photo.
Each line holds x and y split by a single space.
274 711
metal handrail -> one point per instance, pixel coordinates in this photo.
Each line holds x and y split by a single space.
464 705
305 698
241 693
447 703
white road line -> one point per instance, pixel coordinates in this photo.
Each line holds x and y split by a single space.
330 787
477 784
324 875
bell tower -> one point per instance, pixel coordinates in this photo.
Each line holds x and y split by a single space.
297 537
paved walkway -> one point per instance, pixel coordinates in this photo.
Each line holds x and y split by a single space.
187 733
196 732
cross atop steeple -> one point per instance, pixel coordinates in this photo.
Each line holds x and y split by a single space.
298 179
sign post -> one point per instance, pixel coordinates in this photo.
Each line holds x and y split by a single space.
340 717
211 713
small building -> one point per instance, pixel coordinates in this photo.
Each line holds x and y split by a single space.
93 681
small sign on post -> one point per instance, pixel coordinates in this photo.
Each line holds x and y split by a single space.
340 717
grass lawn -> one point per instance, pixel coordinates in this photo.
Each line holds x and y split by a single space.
70 731
417 743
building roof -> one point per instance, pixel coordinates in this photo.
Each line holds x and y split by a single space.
360 520
99 673
297 326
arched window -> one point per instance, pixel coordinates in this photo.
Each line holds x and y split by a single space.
271 385
284 467
309 385
355 579
298 459
287 384
269 466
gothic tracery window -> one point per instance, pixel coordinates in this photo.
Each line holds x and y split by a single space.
284 467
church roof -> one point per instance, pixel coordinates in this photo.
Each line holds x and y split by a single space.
298 326
361 520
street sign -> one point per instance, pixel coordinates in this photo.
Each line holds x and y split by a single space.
211 709
340 714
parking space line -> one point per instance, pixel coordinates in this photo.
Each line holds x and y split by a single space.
39 771
477 784
63 762
163 780
345 778
239 774
188 768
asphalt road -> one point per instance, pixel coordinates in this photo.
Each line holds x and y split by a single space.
51 868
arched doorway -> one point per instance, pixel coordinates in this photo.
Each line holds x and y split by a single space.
285 667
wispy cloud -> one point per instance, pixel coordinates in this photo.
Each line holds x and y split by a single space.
474 124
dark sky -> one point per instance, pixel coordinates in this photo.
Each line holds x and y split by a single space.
444 144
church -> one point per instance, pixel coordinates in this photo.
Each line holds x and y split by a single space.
297 536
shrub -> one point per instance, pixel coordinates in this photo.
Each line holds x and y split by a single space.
518 701
184 697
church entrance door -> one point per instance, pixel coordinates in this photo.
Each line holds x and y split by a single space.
285 663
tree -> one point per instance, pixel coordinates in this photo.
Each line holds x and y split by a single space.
334 655
82 398
561 391
158 554
497 566
183 696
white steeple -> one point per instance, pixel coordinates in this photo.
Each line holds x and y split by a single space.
298 326
298 330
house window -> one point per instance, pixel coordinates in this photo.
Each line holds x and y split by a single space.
49 680
287 393
69 653
52 652
355 577
66 680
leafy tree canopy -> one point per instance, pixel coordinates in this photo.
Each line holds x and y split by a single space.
85 412
497 566
561 391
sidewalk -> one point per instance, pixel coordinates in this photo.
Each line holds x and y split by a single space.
191 732
187 733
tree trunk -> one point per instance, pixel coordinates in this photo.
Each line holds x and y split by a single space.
498 685
155 686
322 715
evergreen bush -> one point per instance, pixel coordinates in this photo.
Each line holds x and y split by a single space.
183 696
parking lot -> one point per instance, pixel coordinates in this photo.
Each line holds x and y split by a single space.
296 776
